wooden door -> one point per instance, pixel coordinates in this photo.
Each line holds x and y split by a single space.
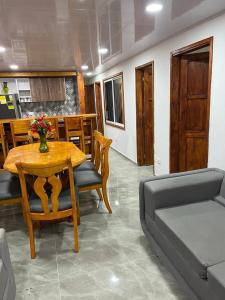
145 118
89 99
98 99
194 111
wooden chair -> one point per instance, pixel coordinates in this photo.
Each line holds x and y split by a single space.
10 192
48 204
96 178
89 137
75 131
19 130
54 135
3 143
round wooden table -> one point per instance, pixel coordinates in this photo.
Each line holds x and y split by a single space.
58 151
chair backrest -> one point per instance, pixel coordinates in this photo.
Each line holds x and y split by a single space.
101 159
2 140
54 135
74 127
45 175
19 131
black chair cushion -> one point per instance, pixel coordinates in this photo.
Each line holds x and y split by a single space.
87 178
86 166
9 186
64 202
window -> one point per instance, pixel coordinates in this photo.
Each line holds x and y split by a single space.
114 106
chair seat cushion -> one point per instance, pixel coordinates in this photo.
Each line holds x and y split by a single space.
87 178
197 231
9 186
86 166
64 202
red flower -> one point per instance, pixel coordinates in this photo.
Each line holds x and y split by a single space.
43 124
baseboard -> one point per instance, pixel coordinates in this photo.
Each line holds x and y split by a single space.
124 155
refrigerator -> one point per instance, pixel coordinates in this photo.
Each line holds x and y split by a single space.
9 106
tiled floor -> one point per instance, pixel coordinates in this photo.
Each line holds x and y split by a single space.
115 261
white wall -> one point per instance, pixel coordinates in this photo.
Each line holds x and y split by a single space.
125 141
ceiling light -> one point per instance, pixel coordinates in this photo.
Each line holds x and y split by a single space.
13 67
84 67
89 73
103 50
2 49
154 7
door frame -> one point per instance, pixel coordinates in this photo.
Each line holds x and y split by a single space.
139 132
175 97
102 116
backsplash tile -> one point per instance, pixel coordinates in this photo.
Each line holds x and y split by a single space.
54 108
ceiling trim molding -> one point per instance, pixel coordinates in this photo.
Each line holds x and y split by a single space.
37 74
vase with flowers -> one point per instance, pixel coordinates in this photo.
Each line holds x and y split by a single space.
42 127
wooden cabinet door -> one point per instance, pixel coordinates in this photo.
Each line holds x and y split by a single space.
39 89
194 112
48 89
56 89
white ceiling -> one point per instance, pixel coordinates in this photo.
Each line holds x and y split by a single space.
64 34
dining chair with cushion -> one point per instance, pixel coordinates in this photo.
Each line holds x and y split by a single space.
48 201
96 179
10 192
20 132
74 127
90 164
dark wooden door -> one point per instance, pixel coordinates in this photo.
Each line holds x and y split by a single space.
89 99
144 107
193 112
98 98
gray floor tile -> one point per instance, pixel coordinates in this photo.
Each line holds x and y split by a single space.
115 261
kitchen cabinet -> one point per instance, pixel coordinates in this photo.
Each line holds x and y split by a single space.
48 89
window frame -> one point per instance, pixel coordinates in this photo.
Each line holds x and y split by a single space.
113 123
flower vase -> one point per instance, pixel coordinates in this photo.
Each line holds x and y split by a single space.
43 144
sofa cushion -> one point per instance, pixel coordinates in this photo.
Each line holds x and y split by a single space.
86 166
197 231
3 278
9 186
87 178
216 279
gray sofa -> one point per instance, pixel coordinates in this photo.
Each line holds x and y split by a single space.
183 215
7 282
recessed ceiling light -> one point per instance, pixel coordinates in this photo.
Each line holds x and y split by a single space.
89 73
13 67
84 67
154 7
103 50
2 49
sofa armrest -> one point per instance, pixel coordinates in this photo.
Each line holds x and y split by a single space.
178 189
10 287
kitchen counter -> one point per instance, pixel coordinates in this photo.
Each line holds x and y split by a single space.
60 118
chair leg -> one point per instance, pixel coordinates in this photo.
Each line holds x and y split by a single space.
31 237
75 231
105 198
78 212
99 194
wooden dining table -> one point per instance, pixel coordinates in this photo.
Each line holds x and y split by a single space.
58 151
